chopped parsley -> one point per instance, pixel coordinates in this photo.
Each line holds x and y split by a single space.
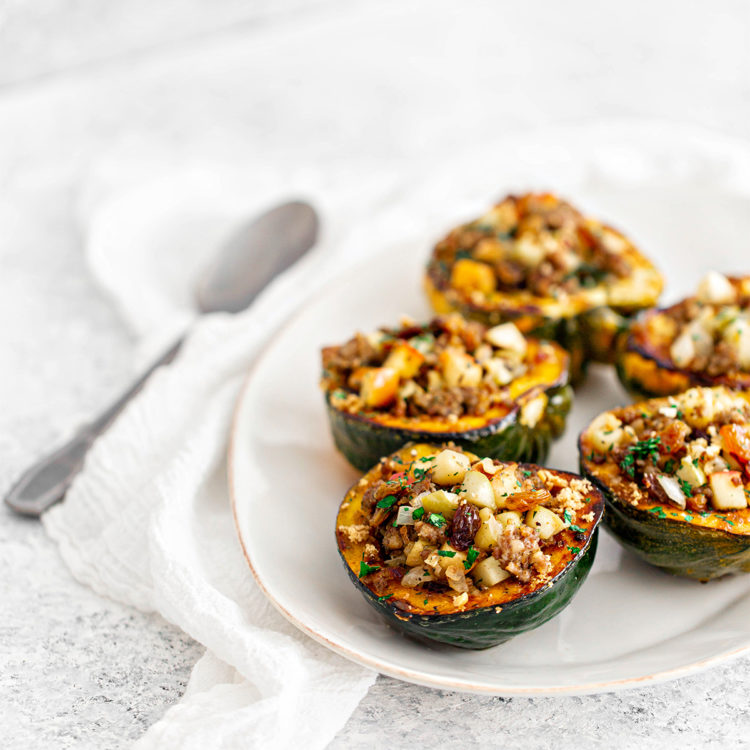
436 519
387 502
425 602
383 598
526 473
574 550
471 557
568 518
659 511
724 518
446 553
365 569
686 487
669 466
417 513
643 449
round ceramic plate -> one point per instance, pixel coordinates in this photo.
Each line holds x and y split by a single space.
684 200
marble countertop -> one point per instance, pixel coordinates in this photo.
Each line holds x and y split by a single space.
357 88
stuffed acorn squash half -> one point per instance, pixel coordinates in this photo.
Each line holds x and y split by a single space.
538 262
675 473
702 340
470 552
488 389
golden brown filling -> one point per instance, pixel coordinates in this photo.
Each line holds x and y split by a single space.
448 368
690 451
448 522
535 242
708 333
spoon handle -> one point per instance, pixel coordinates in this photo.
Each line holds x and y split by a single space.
45 482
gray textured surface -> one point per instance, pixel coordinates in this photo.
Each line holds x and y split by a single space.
370 87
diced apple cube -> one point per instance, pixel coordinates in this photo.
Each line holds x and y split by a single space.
405 360
533 411
506 336
504 484
544 521
441 502
448 559
477 490
606 432
509 518
737 335
529 251
716 289
498 371
728 490
488 573
460 368
450 467
694 341
488 532
691 473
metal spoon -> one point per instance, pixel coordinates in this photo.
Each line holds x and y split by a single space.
253 256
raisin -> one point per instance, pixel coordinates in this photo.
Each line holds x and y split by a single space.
466 523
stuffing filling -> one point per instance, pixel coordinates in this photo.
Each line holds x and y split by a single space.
690 451
710 332
448 523
537 243
448 368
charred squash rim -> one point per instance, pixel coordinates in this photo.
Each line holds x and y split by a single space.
492 617
684 543
646 369
586 323
364 438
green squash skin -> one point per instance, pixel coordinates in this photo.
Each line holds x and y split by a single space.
674 546
363 442
632 385
486 627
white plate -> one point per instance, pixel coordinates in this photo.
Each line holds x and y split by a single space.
630 623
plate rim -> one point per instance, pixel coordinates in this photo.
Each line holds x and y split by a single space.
416 677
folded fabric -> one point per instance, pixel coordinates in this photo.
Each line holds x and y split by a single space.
148 521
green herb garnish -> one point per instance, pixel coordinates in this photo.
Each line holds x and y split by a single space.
436 519
365 569
643 449
417 513
446 553
471 557
387 502
686 487
383 598
574 550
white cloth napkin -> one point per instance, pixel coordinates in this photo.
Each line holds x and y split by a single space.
148 522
